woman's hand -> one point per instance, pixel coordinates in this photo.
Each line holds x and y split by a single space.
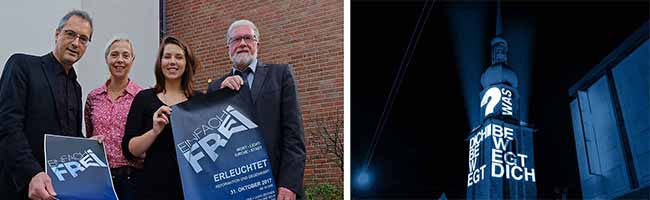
99 138
161 118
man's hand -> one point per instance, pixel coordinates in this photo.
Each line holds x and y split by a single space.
40 187
232 82
286 194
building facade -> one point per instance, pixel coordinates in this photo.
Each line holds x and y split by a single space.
609 110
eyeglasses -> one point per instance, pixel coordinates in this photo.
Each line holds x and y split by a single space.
71 35
246 38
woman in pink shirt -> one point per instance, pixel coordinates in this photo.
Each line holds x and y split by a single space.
106 111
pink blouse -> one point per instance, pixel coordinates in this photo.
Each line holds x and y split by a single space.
108 118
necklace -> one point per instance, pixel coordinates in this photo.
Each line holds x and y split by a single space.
165 98
169 103
115 91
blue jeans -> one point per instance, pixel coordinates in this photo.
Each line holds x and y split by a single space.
125 185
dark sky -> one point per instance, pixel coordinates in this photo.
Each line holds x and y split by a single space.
425 156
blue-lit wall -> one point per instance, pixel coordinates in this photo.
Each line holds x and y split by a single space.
611 125
517 183
632 82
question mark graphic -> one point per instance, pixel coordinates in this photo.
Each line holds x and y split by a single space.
493 96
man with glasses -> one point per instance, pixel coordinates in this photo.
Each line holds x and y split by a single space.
40 95
273 93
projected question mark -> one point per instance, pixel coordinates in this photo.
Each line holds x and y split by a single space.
493 96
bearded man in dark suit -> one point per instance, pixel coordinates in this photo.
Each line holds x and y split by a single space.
273 93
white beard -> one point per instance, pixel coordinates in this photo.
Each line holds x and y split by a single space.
243 60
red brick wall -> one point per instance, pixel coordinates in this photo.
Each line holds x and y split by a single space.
306 34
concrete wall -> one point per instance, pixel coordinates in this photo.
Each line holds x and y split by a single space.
632 78
600 143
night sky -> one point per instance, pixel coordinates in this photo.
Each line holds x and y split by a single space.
426 156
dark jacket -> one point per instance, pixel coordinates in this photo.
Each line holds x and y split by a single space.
27 111
276 102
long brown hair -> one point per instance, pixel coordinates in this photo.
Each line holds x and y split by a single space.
191 66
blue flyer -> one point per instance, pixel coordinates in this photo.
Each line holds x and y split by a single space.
78 168
220 149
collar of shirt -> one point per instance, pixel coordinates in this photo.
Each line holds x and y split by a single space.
253 66
131 88
59 69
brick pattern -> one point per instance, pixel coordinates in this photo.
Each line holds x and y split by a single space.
307 34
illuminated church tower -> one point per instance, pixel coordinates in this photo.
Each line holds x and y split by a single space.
501 157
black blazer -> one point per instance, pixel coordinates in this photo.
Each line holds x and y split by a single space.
277 110
27 111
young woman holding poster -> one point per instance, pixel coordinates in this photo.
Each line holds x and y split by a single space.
148 131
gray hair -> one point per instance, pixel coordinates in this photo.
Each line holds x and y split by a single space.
117 38
79 13
242 22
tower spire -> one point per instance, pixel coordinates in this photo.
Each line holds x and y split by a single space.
498 28
499 111
499 45
499 71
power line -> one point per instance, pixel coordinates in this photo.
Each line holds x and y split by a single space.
394 90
